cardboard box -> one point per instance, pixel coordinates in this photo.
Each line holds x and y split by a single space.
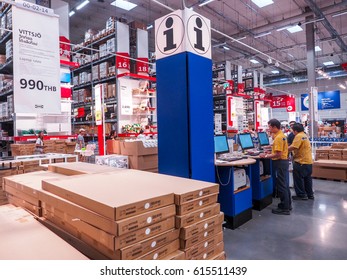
177 255
36 210
144 233
202 236
335 156
33 236
113 147
162 252
324 156
79 168
95 192
196 204
211 253
143 162
195 229
204 246
329 173
28 198
148 245
197 216
145 219
136 148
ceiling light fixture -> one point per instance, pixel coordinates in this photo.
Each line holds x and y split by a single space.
295 29
149 26
262 3
328 63
262 35
72 13
205 3
125 5
275 72
226 48
342 86
83 4
254 61
317 49
284 28
339 14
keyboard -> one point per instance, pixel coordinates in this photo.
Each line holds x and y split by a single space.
228 157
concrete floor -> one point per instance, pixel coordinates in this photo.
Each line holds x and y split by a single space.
315 230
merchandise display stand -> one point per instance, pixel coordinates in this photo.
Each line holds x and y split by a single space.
262 185
236 204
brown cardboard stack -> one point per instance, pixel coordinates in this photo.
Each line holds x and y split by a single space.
24 238
22 149
198 215
31 166
335 154
322 153
142 219
140 157
23 190
113 147
79 168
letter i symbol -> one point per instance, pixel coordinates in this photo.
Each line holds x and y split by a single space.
198 32
169 35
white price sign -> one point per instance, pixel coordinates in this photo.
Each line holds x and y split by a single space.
36 62
98 107
34 8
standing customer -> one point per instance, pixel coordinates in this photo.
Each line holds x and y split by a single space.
302 167
291 135
39 143
80 139
279 156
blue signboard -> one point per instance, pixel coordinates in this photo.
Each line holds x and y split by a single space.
327 100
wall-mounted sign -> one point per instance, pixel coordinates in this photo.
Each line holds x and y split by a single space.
327 100
183 31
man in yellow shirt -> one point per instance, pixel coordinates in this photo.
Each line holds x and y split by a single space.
279 156
302 167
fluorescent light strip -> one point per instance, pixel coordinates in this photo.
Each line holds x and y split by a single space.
262 35
317 49
72 13
262 3
328 63
275 72
254 61
125 5
339 14
84 3
226 48
149 26
284 28
295 29
205 3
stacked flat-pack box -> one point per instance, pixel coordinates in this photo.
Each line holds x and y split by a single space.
24 238
111 46
198 215
23 190
2 25
22 149
9 49
102 50
142 218
103 70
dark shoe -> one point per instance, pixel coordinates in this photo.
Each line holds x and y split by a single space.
280 211
280 205
311 197
295 197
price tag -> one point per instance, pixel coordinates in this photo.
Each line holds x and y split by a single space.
142 65
34 7
122 61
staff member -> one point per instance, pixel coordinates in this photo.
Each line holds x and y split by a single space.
279 155
302 167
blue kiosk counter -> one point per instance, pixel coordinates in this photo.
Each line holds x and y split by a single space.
235 191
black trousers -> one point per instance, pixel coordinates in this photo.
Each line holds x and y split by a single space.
302 179
281 173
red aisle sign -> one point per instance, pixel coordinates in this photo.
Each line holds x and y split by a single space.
279 101
142 65
65 92
229 110
241 88
122 61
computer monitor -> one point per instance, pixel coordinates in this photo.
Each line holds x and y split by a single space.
246 141
263 139
221 144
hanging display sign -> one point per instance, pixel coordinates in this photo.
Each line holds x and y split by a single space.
241 88
290 104
98 107
327 100
36 61
279 101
